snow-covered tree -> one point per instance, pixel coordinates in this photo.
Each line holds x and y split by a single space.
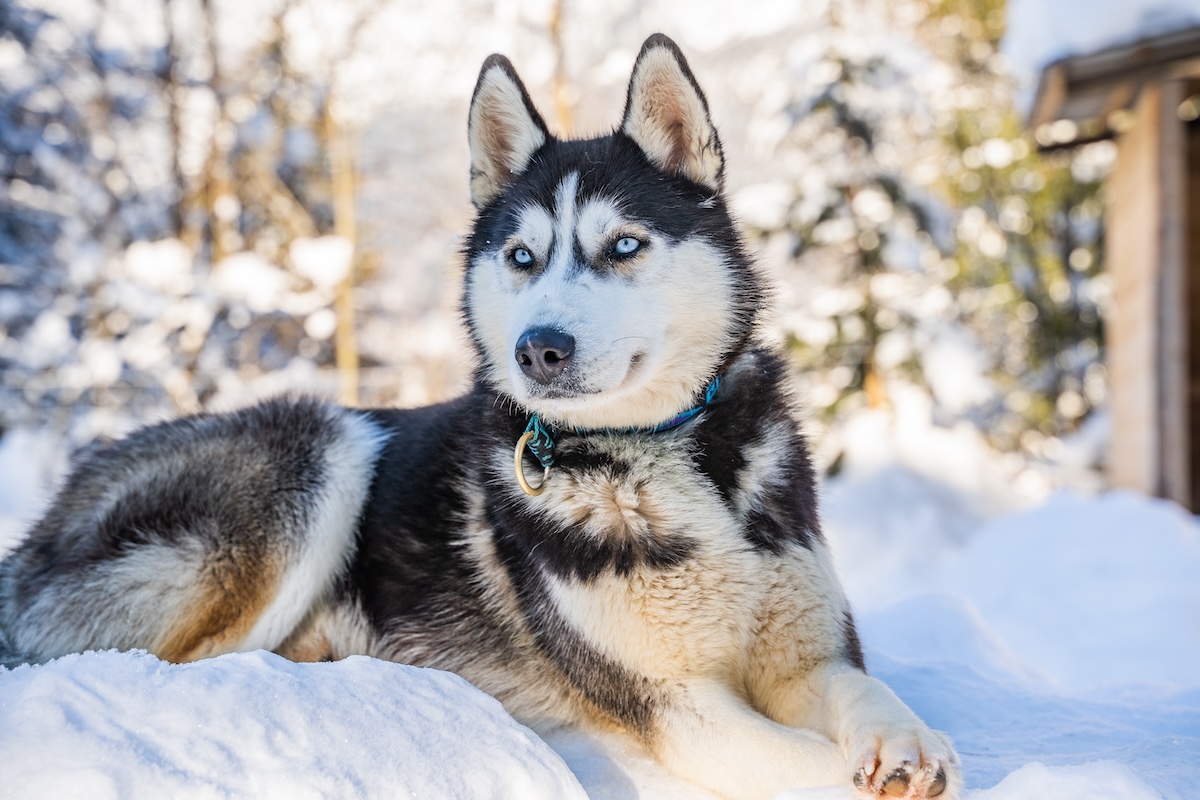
174 176
933 245
180 217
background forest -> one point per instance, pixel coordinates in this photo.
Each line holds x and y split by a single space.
205 201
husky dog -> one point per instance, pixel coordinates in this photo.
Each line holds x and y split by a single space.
616 527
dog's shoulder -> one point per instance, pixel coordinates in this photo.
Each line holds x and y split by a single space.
754 451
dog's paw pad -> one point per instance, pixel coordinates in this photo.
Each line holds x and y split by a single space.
905 782
896 784
927 772
937 786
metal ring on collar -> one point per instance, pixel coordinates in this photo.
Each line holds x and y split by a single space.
526 487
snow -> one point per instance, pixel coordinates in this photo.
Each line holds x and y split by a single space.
325 260
254 280
128 726
1092 635
1040 32
1053 634
1103 779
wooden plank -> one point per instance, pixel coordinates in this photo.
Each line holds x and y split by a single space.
1141 60
1133 251
1173 383
1193 299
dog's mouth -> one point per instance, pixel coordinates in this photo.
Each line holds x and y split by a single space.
634 373
570 385
635 363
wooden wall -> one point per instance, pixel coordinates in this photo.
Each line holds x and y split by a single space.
1193 299
1152 383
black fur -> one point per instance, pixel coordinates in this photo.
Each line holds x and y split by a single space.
407 563
615 691
569 552
746 405
852 652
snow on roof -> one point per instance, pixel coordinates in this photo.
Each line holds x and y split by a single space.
1041 32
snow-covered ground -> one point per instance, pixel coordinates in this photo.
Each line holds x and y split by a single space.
1054 635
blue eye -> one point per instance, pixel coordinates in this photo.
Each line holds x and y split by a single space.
626 246
522 257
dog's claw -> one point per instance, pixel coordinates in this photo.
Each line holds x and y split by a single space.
896 784
938 785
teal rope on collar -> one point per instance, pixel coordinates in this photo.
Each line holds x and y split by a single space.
541 443
542 438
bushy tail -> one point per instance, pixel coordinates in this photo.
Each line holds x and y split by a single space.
9 657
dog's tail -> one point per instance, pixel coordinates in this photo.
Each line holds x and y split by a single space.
10 656
8 653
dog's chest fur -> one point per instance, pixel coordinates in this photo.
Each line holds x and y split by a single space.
638 550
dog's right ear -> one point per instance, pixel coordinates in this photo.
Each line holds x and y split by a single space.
504 129
667 116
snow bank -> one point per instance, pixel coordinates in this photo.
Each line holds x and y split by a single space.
1097 593
1101 779
1002 724
128 726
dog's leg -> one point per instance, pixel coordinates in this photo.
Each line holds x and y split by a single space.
890 752
712 737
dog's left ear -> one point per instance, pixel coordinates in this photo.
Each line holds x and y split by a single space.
667 116
504 129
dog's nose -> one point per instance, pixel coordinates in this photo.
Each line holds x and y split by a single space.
543 353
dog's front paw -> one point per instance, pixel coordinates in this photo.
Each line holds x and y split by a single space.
914 763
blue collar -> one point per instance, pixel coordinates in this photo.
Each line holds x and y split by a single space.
542 438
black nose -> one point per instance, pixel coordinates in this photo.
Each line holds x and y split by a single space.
543 353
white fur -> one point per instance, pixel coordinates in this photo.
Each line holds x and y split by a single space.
328 543
600 223
880 735
535 232
716 739
127 610
764 464
645 336
565 207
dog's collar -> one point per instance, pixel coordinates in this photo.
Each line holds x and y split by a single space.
541 439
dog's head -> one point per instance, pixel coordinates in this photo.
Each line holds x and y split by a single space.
606 283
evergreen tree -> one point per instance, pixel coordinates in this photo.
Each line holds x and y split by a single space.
1030 243
933 245
165 201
